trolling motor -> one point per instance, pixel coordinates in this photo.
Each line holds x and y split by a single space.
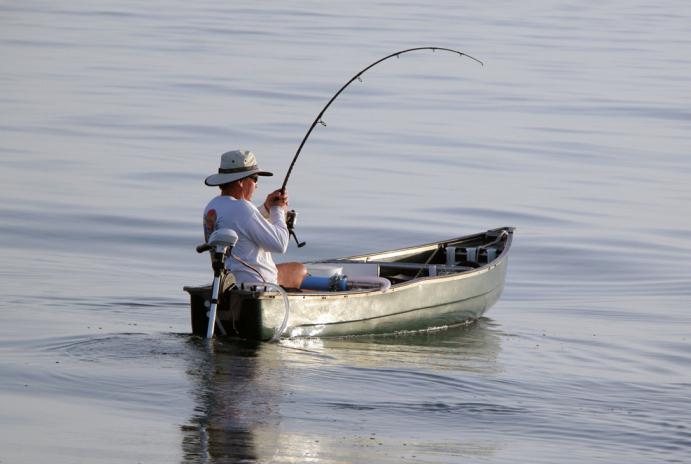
220 245
291 217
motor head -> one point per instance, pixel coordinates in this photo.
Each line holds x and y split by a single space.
223 237
220 239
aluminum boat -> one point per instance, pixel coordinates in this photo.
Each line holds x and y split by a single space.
424 287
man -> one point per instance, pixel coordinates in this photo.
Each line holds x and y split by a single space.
258 235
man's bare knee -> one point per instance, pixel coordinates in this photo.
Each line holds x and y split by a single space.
291 275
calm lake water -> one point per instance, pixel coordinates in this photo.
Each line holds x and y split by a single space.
577 131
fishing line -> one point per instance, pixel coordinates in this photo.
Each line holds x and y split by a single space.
318 119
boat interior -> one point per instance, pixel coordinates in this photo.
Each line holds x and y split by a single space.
436 259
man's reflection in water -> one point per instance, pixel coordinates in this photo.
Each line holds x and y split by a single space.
236 397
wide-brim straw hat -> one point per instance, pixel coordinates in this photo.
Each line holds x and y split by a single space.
236 165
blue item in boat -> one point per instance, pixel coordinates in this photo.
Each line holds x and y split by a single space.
334 283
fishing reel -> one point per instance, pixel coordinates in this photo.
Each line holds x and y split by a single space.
291 217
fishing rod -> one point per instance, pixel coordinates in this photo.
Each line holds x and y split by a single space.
292 214
318 119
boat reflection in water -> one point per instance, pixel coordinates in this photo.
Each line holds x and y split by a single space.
342 400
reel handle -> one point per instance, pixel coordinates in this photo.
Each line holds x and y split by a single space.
298 242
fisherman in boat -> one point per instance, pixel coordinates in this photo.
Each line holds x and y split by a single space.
259 232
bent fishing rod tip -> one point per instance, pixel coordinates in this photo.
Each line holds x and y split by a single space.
461 54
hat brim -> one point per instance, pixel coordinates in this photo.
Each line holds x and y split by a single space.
220 179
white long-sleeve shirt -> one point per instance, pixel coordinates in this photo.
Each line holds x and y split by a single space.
257 236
